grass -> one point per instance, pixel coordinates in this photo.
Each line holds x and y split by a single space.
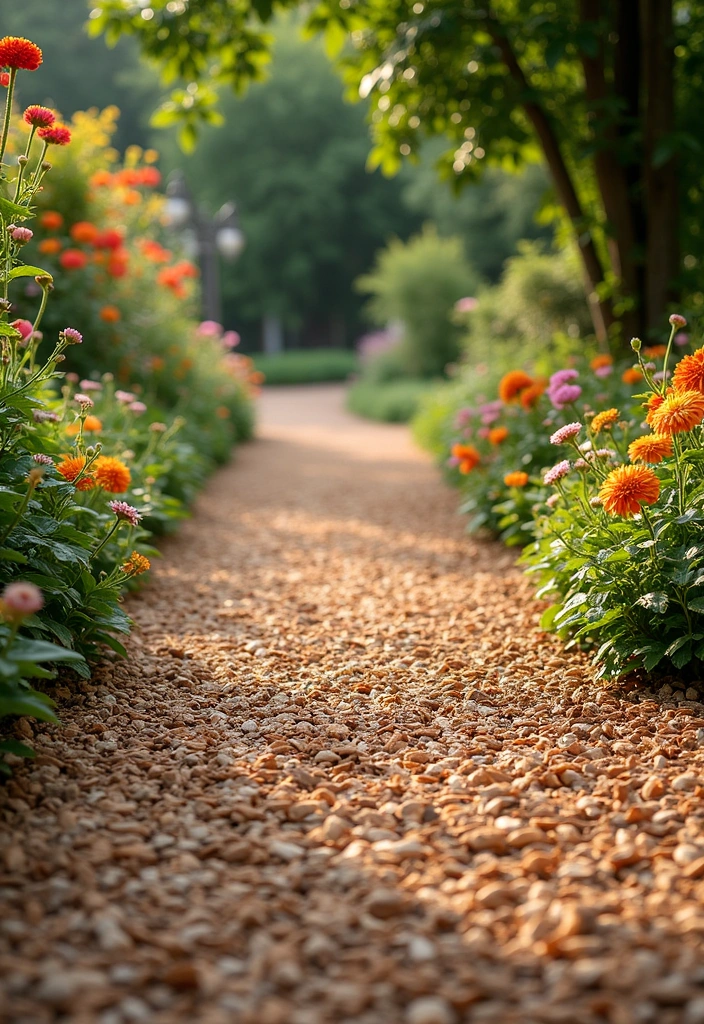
307 366
392 402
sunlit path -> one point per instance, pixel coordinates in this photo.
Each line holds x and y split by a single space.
344 780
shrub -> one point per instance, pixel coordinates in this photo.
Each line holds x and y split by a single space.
306 366
417 284
393 402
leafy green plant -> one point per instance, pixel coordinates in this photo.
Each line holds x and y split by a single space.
307 366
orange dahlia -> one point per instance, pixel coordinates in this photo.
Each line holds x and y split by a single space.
51 220
497 435
655 351
626 488
604 419
49 246
516 479
84 231
512 384
110 314
136 564
467 455
529 396
70 467
112 475
650 448
600 361
689 373
632 375
19 54
679 412
654 403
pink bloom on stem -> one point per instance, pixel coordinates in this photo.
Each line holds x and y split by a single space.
43 460
603 371
677 320
466 305
25 329
22 235
91 385
72 378
84 401
563 395
72 336
562 377
557 472
230 339
125 396
209 329
125 512
137 407
20 599
565 433
681 338
484 432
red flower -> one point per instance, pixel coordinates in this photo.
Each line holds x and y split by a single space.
57 135
73 259
110 239
19 54
5 78
39 117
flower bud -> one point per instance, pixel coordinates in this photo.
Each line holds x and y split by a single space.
21 235
636 344
35 476
59 359
22 160
45 281
677 320
46 166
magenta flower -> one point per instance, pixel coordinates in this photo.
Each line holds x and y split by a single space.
564 395
562 377
137 407
557 472
565 433
230 339
681 338
125 396
125 512
603 371
677 320
71 336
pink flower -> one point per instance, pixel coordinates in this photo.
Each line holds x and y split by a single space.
71 336
565 433
562 377
22 235
603 371
681 338
209 329
662 374
44 416
20 599
43 460
25 329
125 512
466 305
484 432
230 339
91 385
557 472
125 396
564 394
552 500
463 417
677 320
84 401
137 407
72 378
453 462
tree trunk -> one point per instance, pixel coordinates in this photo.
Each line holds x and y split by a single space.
600 309
661 186
610 165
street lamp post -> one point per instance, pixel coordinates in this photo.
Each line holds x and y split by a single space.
206 236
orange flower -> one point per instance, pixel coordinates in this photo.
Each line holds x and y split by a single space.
497 435
679 412
154 252
467 455
73 259
131 197
92 425
626 488
49 246
512 384
529 396
222 412
654 403
112 475
83 231
136 564
70 467
655 351
51 220
157 363
516 479
604 419
632 375
601 360
101 179
689 373
650 448
110 314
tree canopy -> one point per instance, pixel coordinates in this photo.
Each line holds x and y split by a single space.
602 90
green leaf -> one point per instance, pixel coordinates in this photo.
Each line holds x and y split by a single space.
547 619
657 602
28 272
11 211
28 702
17 748
8 331
40 650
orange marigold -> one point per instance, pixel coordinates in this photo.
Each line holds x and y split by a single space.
601 360
626 488
136 564
497 435
632 375
467 455
110 314
49 246
529 396
512 384
650 448
653 403
604 419
84 231
70 467
516 479
91 425
679 412
689 373
51 220
655 351
112 475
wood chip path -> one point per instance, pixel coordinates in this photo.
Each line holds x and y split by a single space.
343 779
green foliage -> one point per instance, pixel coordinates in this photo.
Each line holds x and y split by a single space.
417 284
392 402
307 366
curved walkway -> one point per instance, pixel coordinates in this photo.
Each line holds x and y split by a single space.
343 779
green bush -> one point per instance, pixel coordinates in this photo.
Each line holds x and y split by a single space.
393 402
307 366
417 284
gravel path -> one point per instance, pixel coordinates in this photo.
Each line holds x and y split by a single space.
343 779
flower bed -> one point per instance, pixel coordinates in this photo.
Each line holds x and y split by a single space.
91 465
614 527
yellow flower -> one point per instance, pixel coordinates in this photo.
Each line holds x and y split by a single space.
604 419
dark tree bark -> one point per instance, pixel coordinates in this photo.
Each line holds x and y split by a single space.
660 169
601 310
